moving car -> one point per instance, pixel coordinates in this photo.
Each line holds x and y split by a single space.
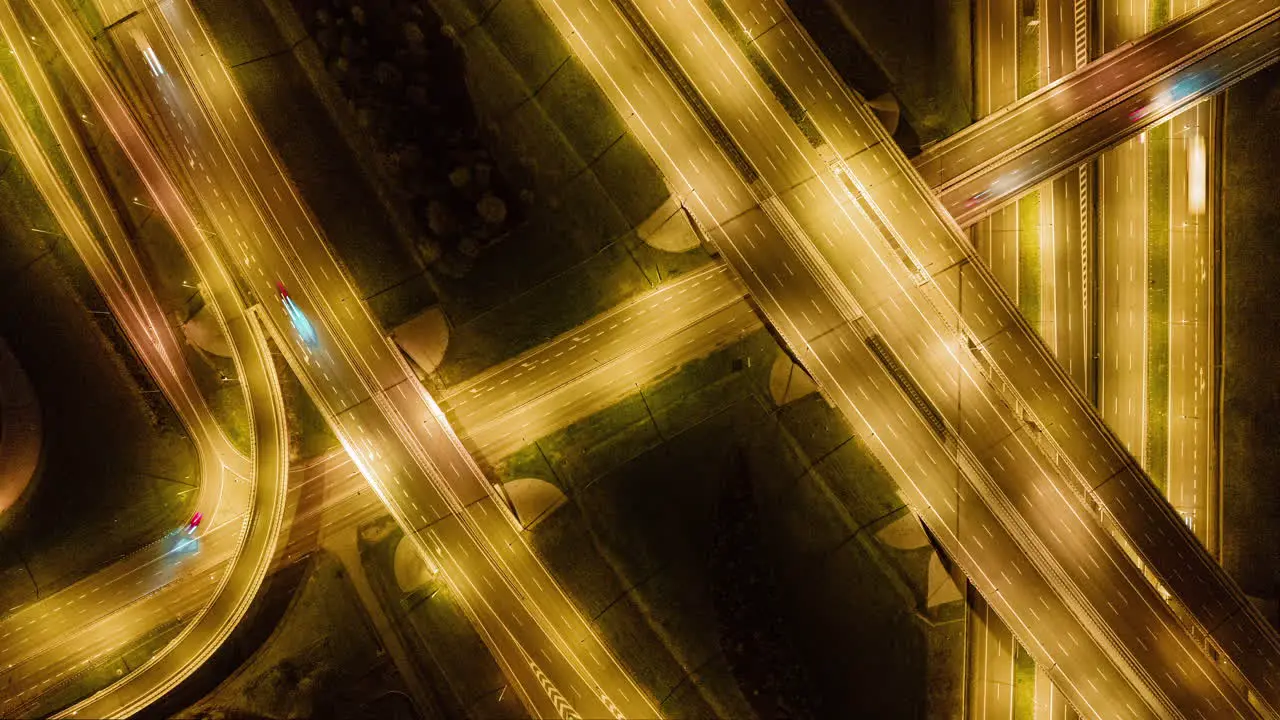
1138 113
194 523
301 323
977 198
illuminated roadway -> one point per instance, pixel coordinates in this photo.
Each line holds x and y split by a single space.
762 231
882 414
168 588
1087 456
1062 29
123 284
1192 469
48 642
253 514
1122 293
1103 588
1070 120
263 504
552 655
256 536
598 363
995 38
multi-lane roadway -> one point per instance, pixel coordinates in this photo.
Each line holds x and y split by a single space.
392 428
887 247
248 507
1067 121
47 643
798 302
761 225
595 365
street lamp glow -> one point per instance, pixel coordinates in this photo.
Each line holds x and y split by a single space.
1196 179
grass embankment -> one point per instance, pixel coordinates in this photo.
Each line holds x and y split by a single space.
1161 13
464 679
323 660
309 433
1029 267
25 97
645 478
1029 66
1250 448
552 130
1158 197
117 469
1024 684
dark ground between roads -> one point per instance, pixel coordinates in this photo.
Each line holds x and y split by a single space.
323 660
1251 344
917 49
117 469
460 675
661 484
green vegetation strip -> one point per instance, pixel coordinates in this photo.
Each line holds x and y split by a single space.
1161 13
1029 257
771 78
1158 304
1024 685
11 75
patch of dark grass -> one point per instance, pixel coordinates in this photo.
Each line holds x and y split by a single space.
323 657
1029 258
581 112
496 86
36 122
633 181
245 31
1161 13
1028 48
926 63
1250 449
648 507
309 433
1157 440
225 397
526 319
527 38
1024 684
449 653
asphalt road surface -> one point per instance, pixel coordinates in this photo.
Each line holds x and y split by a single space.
1122 291
595 365
1193 452
825 335
400 440
1057 127
995 70
757 129
258 520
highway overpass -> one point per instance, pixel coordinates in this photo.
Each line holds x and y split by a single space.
1086 111
843 217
